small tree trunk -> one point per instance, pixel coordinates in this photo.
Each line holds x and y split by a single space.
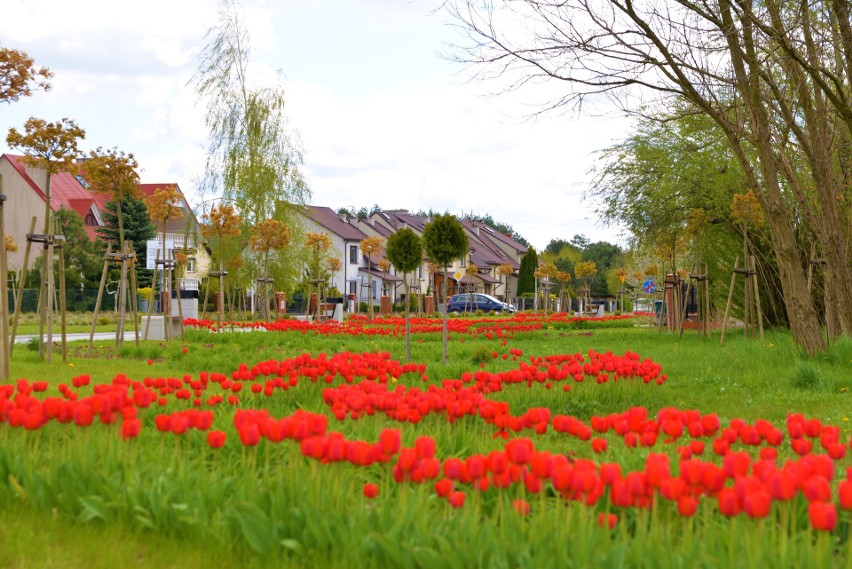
407 323
444 306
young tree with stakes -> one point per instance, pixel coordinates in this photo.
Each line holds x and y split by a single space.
405 252
266 236
220 225
51 147
114 172
318 244
445 241
371 246
162 206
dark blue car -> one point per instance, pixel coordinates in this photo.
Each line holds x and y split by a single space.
471 302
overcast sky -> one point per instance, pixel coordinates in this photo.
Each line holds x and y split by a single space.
383 117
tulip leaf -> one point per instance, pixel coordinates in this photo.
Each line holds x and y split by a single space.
292 544
94 508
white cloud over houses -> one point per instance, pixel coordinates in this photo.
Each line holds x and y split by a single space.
382 118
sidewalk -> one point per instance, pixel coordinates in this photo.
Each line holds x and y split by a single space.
79 336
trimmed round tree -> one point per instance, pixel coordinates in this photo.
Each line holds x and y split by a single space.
405 252
445 241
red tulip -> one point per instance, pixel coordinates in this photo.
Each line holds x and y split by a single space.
216 439
823 515
687 505
130 428
757 504
371 490
456 499
443 487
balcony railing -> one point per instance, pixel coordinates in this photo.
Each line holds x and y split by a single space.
176 240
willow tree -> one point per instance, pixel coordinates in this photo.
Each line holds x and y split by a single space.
254 157
445 241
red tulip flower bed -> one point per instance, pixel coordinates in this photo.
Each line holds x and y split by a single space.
503 326
690 457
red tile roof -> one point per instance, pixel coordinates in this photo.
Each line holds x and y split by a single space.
67 191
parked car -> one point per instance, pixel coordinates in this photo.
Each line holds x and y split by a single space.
471 302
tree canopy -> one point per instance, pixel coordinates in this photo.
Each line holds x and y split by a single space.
19 75
526 273
774 76
254 157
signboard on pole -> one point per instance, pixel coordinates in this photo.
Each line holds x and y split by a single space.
649 286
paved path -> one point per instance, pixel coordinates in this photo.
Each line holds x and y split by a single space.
78 336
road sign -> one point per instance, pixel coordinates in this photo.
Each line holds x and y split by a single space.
458 275
649 286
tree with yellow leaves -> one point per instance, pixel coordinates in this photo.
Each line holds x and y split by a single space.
113 172
268 235
585 271
371 246
163 206
545 273
51 147
19 76
318 245
504 271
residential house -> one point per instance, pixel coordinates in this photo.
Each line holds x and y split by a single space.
24 188
356 272
488 250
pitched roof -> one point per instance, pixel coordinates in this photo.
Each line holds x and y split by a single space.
327 218
71 191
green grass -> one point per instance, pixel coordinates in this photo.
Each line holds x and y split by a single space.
164 501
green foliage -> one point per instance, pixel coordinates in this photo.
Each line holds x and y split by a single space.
445 240
526 277
404 250
138 228
606 257
83 257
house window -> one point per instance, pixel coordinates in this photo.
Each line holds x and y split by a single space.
420 272
462 262
353 254
90 219
190 265
353 287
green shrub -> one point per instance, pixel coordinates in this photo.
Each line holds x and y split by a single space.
481 355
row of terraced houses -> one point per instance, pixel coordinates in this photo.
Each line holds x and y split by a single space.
24 188
489 249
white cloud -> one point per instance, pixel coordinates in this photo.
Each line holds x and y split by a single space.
376 129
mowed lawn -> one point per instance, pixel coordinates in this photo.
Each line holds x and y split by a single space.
132 489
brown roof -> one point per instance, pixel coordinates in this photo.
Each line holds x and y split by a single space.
380 274
327 218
